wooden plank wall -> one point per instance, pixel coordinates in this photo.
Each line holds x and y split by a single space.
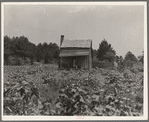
83 61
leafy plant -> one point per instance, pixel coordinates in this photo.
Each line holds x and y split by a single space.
73 93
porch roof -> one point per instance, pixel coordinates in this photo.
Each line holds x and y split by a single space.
69 53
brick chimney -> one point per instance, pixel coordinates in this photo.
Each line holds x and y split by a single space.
62 39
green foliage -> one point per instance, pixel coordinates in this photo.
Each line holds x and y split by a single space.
109 56
100 64
20 48
73 93
130 57
141 57
105 51
18 97
94 53
119 59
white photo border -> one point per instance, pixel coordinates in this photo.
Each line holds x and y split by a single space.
62 118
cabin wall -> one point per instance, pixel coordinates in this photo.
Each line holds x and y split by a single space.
82 61
66 62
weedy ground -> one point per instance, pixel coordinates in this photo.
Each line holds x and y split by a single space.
44 90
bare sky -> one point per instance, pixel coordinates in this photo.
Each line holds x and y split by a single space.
121 25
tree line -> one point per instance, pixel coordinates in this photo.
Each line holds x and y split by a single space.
105 52
18 51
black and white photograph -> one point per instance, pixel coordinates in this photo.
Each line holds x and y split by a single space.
74 61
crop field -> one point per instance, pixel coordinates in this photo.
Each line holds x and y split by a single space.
45 90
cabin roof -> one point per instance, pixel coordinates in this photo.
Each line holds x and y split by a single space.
76 43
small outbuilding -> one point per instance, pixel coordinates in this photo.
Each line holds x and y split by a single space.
75 54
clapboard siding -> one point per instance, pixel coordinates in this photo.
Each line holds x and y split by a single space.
79 51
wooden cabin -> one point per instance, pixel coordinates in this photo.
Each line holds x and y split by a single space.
75 54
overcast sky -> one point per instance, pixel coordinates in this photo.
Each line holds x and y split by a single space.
122 26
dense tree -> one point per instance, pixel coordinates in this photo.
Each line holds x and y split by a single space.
94 53
18 50
142 57
54 50
105 51
49 52
109 56
39 55
130 57
139 57
48 57
7 52
119 59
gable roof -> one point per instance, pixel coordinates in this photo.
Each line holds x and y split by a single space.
76 43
